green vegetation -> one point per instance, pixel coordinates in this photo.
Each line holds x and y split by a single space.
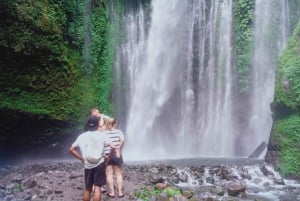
102 58
145 194
287 106
287 133
294 13
287 86
243 41
41 61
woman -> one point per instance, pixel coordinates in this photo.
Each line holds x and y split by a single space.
114 159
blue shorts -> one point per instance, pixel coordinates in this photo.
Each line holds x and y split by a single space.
95 176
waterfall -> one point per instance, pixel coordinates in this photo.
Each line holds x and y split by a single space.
175 81
271 34
87 58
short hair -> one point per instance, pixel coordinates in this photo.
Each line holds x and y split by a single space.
92 123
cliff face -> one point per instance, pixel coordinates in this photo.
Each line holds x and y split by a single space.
286 107
40 66
43 77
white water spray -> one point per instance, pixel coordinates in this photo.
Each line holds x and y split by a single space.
176 79
271 34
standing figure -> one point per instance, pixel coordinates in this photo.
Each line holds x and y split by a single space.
91 144
114 159
102 127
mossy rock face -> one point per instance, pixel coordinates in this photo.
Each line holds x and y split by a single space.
41 67
46 89
287 86
287 134
286 107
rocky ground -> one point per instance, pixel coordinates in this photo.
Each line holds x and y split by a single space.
63 181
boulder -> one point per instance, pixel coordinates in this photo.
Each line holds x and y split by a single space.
235 188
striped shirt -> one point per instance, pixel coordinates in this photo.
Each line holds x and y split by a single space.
115 136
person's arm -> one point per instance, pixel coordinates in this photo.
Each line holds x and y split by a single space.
112 146
118 151
107 118
122 141
75 153
108 142
112 150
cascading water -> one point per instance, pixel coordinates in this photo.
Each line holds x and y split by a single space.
271 34
175 82
210 88
87 58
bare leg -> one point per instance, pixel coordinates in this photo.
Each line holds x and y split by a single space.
87 195
118 173
109 179
97 193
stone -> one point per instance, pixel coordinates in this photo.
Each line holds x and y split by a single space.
234 188
209 199
174 180
279 181
178 198
161 186
8 198
153 170
75 175
210 180
58 191
218 190
34 197
183 177
29 183
17 178
154 179
188 194
257 180
162 197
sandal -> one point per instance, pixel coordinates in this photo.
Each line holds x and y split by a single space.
111 196
121 196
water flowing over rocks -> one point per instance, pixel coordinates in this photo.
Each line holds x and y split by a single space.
63 181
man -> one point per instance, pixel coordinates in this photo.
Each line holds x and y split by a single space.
102 127
91 144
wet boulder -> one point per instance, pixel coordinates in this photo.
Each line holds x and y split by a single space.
235 188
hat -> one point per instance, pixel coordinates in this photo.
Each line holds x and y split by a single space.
93 122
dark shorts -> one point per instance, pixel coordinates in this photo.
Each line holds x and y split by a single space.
115 161
95 176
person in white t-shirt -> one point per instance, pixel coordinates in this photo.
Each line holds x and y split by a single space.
102 127
91 144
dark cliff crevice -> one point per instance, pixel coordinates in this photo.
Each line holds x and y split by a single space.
22 132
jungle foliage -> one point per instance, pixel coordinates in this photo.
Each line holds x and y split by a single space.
41 61
294 13
287 106
287 133
243 41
